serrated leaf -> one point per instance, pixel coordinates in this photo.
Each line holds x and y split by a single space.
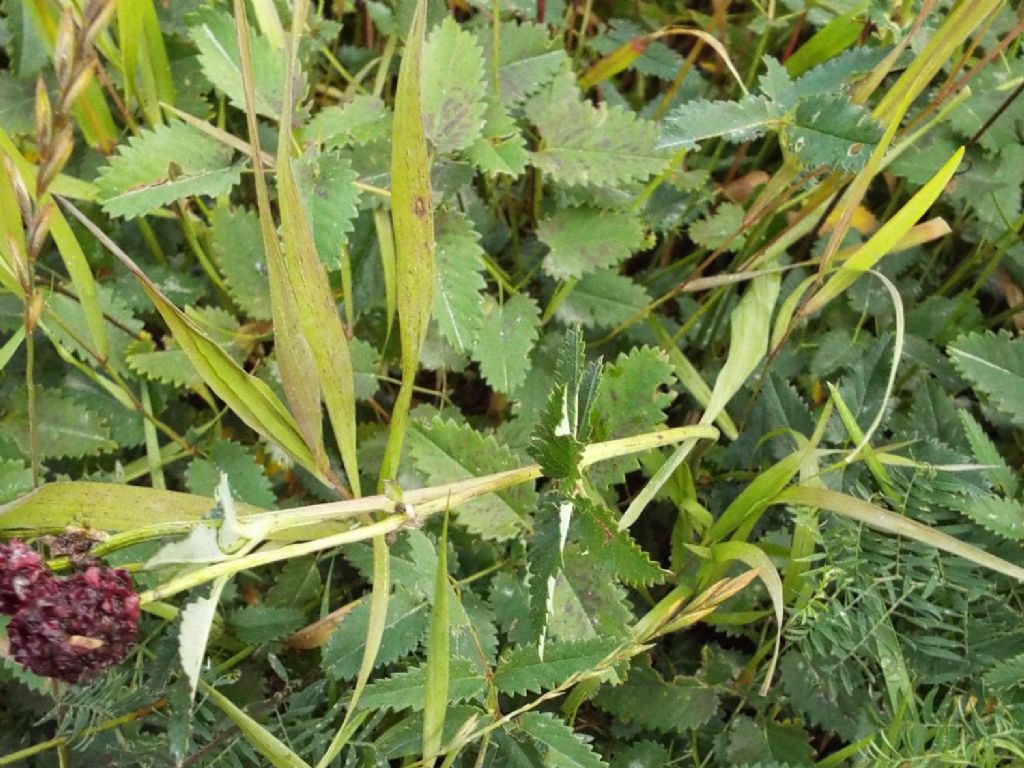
597 531
404 690
326 183
168 366
985 452
522 670
157 167
642 754
586 239
363 119
15 479
238 247
215 38
721 227
248 482
560 745
735 121
17 104
651 702
635 391
501 149
64 427
602 299
444 452
994 364
584 144
831 131
564 427
585 603
453 88
404 628
458 297
528 58
506 338
365 363
999 515
256 624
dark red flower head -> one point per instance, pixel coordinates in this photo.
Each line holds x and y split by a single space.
22 572
74 628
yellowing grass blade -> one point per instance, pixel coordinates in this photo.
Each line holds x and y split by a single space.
318 313
251 399
413 216
294 358
886 238
895 524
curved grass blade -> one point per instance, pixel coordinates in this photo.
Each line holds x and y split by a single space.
251 399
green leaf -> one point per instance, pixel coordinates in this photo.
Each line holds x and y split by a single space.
527 59
646 700
830 130
17 104
248 483
237 246
505 341
596 529
64 427
721 227
999 515
561 747
257 624
215 38
985 452
602 299
585 603
453 88
363 119
501 149
565 425
15 479
405 690
522 670
584 144
157 167
443 451
167 366
735 121
404 628
326 183
458 296
635 391
994 365
586 239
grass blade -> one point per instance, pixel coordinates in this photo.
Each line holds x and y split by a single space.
897 525
318 315
413 217
251 399
885 239
267 744
435 695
